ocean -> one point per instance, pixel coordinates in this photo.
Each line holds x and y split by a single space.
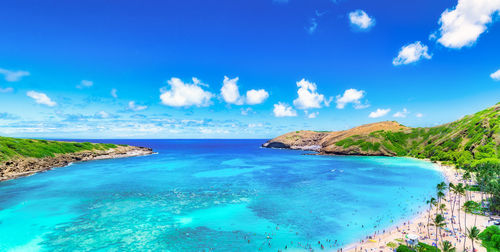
226 195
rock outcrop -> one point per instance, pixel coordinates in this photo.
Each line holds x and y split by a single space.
325 142
20 167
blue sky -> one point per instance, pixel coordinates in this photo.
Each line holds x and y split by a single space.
170 69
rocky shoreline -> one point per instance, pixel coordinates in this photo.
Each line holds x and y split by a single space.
28 166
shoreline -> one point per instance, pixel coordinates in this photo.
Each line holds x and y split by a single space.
24 167
418 223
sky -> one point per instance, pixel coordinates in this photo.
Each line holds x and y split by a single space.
240 68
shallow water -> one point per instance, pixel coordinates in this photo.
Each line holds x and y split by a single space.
200 194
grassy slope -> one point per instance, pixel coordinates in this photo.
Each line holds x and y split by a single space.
12 148
469 141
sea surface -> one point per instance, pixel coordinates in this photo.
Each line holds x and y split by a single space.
228 195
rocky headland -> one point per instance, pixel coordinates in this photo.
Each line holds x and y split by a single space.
25 166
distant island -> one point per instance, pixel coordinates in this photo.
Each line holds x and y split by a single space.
23 157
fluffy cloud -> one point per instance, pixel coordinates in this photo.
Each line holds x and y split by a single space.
185 94
419 115
401 114
361 20
283 110
496 75
351 96
134 107
256 96
12 76
308 97
230 92
41 98
411 53
85 84
114 93
463 25
379 113
6 90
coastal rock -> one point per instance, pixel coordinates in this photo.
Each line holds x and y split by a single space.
27 166
324 142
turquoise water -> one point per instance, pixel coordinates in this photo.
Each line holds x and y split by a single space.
200 194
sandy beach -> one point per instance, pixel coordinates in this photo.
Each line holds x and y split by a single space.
418 225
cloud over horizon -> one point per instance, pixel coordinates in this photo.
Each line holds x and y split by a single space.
308 97
41 98
353 96
183 94
283 110
379 113
230 93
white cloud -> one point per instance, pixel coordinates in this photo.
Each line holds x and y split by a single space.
351 96
401 114
379 113
185 94
496 75
135 107
41 98
85 84
463 25
411 53
419 115
114 93
361 20
6 90
230 92
256 96
12 76
283 110
312 115
308 97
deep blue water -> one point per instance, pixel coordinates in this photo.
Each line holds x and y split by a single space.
201 194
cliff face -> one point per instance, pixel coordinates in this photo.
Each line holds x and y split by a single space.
472 140
25 166
325 142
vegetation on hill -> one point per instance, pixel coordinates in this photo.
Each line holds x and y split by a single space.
12 148
468 142
491 238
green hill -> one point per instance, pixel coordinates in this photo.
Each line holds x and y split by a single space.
467 142
13 148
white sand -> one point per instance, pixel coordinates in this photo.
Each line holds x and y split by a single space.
418 225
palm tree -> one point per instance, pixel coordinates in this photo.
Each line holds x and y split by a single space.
431 202
452 190
442 208
438 223
473 234
447 246
460 189
441 187
466 178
